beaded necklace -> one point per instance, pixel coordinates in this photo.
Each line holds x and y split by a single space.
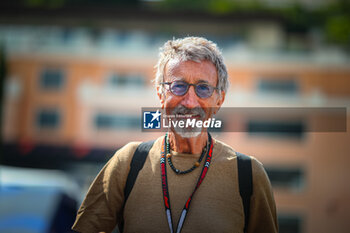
195 165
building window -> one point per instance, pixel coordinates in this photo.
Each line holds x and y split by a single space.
289 223
122 37
48 119
126 81
281 86
67 35
291 129
286 178
52 79
114 121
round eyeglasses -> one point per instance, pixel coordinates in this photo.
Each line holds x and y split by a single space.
180 88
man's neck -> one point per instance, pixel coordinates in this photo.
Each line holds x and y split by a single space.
193 145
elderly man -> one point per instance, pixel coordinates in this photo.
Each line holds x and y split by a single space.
189 181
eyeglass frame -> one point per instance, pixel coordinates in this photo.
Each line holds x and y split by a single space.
188 87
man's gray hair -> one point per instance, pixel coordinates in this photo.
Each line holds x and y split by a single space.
192 49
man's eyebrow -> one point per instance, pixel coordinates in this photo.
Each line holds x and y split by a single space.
177 79
182 79
202 81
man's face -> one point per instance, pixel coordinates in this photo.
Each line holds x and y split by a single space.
193 73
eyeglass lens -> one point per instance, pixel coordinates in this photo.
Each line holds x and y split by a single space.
180 88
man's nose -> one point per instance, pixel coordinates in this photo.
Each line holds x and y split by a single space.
190 99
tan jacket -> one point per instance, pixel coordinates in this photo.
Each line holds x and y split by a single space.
215 207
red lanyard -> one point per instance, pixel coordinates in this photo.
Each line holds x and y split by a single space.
166 190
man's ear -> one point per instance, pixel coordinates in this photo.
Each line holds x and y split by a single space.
161 96
220 100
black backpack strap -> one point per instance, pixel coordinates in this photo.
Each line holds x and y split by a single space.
137 162
245 180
